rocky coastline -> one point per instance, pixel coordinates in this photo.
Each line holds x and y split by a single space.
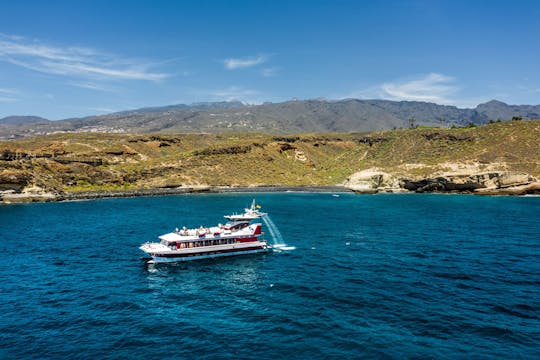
483 183
10 197
374 183
496 159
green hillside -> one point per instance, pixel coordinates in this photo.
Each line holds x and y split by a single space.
93 162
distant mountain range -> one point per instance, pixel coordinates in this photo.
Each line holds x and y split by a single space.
296 116
22 120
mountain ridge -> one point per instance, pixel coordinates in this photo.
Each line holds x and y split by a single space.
293 116
22 120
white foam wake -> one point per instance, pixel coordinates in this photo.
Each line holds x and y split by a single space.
277 238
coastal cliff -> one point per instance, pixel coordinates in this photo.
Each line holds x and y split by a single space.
488 183
499 158
496 159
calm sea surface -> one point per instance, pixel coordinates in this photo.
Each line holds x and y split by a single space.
383 276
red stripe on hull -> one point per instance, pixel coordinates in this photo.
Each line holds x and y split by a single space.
249 239
208 252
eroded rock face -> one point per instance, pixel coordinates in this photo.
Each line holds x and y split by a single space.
373 180
514 179
14 180
453 183
224 151
443 184
11 155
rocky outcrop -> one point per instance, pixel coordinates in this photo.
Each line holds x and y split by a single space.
14 180
371 140
505 180
486 182
286 147
81 160
527 189
290 139
446 137
35 194
12 155
224 151
373 181
452 183
28 194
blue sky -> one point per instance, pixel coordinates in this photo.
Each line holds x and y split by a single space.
61 59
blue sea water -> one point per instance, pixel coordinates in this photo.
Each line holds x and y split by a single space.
381 276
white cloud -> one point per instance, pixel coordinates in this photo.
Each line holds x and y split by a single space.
73 61
91 86
7 95
240 63
434 87
9 91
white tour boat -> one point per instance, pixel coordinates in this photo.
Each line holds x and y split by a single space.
237 236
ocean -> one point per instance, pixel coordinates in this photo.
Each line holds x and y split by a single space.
373 276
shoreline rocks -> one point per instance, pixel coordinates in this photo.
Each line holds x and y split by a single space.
488 183
10 196
372 181
369 181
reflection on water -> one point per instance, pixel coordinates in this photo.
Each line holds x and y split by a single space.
241 272
176 289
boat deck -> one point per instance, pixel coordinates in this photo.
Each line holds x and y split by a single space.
188 235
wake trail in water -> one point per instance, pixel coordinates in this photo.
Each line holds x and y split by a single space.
274 231
277 238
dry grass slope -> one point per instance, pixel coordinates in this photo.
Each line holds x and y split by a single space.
94 162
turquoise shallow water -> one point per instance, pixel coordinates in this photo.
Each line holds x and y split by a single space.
383 276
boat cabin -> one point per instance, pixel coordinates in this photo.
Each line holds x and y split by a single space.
235 225
217 235
198 243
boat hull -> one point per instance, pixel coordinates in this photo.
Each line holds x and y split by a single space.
180 257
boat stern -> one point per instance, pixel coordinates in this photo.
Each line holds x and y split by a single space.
152 248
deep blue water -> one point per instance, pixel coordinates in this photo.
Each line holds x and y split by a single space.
382 276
